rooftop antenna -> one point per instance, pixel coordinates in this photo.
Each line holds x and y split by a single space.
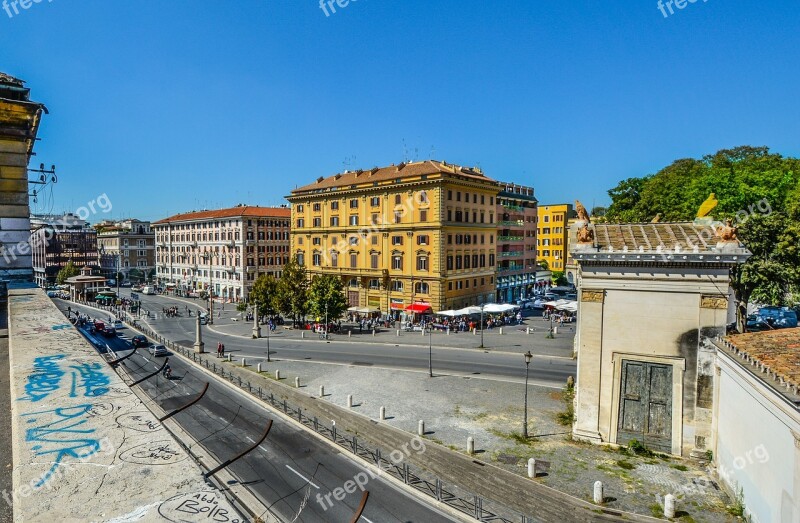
416 153
405 151
433 152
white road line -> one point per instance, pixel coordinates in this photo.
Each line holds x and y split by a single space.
251 440
304 478
365 519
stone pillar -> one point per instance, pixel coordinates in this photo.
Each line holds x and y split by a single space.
199 346
256 326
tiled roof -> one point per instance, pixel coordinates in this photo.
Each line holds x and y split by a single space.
233 212
10 80
382 174
648 237
775 353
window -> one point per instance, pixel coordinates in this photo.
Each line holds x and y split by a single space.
334 221
374 261
354 203
316 207
491 200
334 206
398 216
397 263
375 201
449 239
482 199
397 286
474 198
374 284
354 220
374 239
316 241
491 217
458 216
423 215
474 261
466 261
423 197
449 195
397 199
422 262
353 260
422 239
317 223
449 286
482 260
299 240
458 196
301 258
449 215
300 208
546 219
397 240
353 282
421 288
316 259
354 240
449 263
459 262
300 224
491 260
373 219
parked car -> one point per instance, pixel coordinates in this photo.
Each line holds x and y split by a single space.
125 284
119 325
203 318
109 331
538 303
157 350
136 288
139 341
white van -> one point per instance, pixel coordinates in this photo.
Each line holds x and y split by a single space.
148 290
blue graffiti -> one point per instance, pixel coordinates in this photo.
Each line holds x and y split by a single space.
45 379
53 437
62 326
94 382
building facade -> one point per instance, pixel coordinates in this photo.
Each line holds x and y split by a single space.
57 240
552 234
127 247
224 249
19 124
516 242
408 237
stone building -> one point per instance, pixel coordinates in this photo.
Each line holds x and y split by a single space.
58 239
127 247
649 294
19 124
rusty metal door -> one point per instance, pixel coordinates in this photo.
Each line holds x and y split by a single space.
645 404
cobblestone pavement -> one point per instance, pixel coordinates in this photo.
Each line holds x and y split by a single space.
491 412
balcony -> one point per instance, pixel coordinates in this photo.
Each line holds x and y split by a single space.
250 268
515 208
508 254
511 269
250 243
512 223
510 238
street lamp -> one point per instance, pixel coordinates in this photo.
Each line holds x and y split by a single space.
528 357
430 351
256 326
481 326
550 334
207 256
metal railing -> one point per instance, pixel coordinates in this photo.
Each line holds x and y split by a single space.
510 238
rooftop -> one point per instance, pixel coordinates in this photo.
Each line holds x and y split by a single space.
233 212
392 172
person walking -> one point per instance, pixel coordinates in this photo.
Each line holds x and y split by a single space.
219 349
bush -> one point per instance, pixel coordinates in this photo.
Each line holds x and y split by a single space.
567 417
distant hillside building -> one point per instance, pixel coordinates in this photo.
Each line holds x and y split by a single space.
226 249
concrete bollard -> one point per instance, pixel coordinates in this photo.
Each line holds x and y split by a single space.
470 445
302 335
527 330
398 333
277 375
475 332
669 506
423 332
259 368
349 333
297 383
421 428
321 391
229 357
501 331
373 333
555 330
349 401
532 468
598 492
244 362
448 331
383 414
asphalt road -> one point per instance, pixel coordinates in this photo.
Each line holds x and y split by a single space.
475 363
291 471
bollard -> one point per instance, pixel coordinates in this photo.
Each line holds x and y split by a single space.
321 391
501 331
277 375
448 331
302 335
297 383
244 362
383 414
470 445
532 468
421 428
423 332
349 401
555 330
373 332
349 333
229 357
598 492
475 331
527 330
398 333
669 506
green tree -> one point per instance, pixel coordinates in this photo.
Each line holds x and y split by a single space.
543 264
759 190
327 294
292 291
559 279
67 271
265 294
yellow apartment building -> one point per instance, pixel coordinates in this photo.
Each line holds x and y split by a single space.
552 233
404 238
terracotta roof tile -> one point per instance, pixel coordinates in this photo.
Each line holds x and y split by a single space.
233 212
650 236
382 174
777 350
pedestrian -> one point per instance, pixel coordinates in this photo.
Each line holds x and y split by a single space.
219 349
223 350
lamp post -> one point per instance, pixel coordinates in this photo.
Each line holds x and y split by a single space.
430 351
207 256
550 334
256 326
481 326
528 357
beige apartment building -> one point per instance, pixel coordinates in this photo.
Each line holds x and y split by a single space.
405 238
127 247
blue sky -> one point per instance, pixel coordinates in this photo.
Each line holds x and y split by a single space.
175 105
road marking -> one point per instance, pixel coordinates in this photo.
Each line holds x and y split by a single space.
304 478
251 440
365 519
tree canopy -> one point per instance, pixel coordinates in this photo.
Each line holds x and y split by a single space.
67 271
326 294
292 291
757 189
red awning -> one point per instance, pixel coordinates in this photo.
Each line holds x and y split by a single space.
419 307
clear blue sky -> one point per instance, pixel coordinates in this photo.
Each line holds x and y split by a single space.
173 105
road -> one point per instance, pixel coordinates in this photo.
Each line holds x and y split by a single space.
292 471
544 370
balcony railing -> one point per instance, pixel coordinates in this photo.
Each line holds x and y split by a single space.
510 238
507 254
509 269
512 223
514 208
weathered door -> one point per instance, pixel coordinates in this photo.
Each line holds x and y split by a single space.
645 404
352 298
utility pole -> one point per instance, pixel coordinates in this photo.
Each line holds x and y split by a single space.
528 357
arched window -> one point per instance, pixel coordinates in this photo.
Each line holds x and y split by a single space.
421 287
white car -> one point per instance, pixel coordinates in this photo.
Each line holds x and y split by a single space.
157 350
119 325
538 303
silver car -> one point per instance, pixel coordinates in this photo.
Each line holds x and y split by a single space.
157 350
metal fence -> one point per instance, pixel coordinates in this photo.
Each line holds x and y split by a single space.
469 504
